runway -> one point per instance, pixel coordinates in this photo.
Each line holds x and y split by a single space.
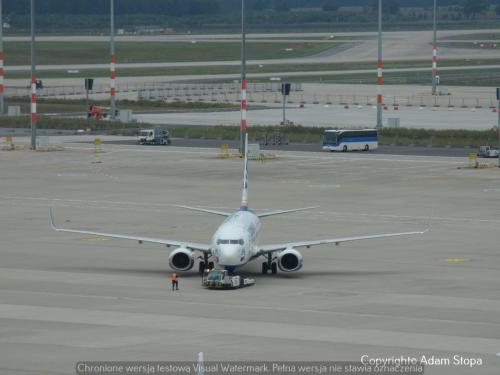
66 298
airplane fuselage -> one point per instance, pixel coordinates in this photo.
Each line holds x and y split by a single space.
233 244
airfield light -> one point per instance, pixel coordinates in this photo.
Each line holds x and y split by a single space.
379 68
34 116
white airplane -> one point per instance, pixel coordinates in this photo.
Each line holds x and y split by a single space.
234 243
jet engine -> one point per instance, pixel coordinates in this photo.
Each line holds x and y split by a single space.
290 260
181 259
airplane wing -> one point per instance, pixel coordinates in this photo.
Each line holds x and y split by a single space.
190 245
277 247
272 213
214 212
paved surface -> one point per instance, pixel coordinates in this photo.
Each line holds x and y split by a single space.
408 45
355 116
66 298
302 147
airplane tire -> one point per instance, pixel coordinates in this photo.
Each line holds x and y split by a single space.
367 148
274 268
265 268
344 149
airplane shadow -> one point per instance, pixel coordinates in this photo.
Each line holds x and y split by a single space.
250 273
126 271
332 273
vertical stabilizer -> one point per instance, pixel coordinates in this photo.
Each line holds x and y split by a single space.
244 192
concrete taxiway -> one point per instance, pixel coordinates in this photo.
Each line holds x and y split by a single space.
66 298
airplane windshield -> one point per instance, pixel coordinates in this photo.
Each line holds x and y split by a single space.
231 242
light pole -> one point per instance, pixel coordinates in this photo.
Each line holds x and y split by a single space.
379 68
498 127
2 104
34 116
434 51
112 68
244 124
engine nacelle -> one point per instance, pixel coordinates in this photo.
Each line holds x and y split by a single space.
181 259
290 260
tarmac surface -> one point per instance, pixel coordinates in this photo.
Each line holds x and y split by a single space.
334 115
66 298
302 147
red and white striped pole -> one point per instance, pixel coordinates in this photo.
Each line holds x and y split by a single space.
112 84
112 63
434 52
244 123
2 86
34 116
380 79
2 105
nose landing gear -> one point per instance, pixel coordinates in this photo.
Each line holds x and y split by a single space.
205 265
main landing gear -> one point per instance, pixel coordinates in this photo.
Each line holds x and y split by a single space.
269 265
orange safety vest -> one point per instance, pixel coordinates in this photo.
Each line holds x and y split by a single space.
173 277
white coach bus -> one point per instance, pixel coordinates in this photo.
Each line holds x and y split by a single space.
350 140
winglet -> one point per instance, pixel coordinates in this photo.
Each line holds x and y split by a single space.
52 225
214 212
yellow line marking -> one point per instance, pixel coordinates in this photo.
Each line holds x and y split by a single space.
457 260
96 239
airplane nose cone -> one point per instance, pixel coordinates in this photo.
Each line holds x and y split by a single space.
229 256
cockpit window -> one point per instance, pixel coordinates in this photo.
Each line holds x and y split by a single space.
231 242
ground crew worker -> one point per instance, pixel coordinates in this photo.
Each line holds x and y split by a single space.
175 282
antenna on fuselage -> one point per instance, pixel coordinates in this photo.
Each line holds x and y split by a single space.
244 192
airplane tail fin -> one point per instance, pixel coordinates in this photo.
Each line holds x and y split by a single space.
244 192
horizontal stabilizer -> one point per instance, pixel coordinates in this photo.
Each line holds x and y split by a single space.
272 213
213 212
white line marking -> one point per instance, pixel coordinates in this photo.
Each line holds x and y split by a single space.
157 151
288 154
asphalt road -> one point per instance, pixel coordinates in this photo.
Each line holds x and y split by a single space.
308 147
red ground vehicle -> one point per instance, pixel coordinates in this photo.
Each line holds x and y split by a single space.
95 112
